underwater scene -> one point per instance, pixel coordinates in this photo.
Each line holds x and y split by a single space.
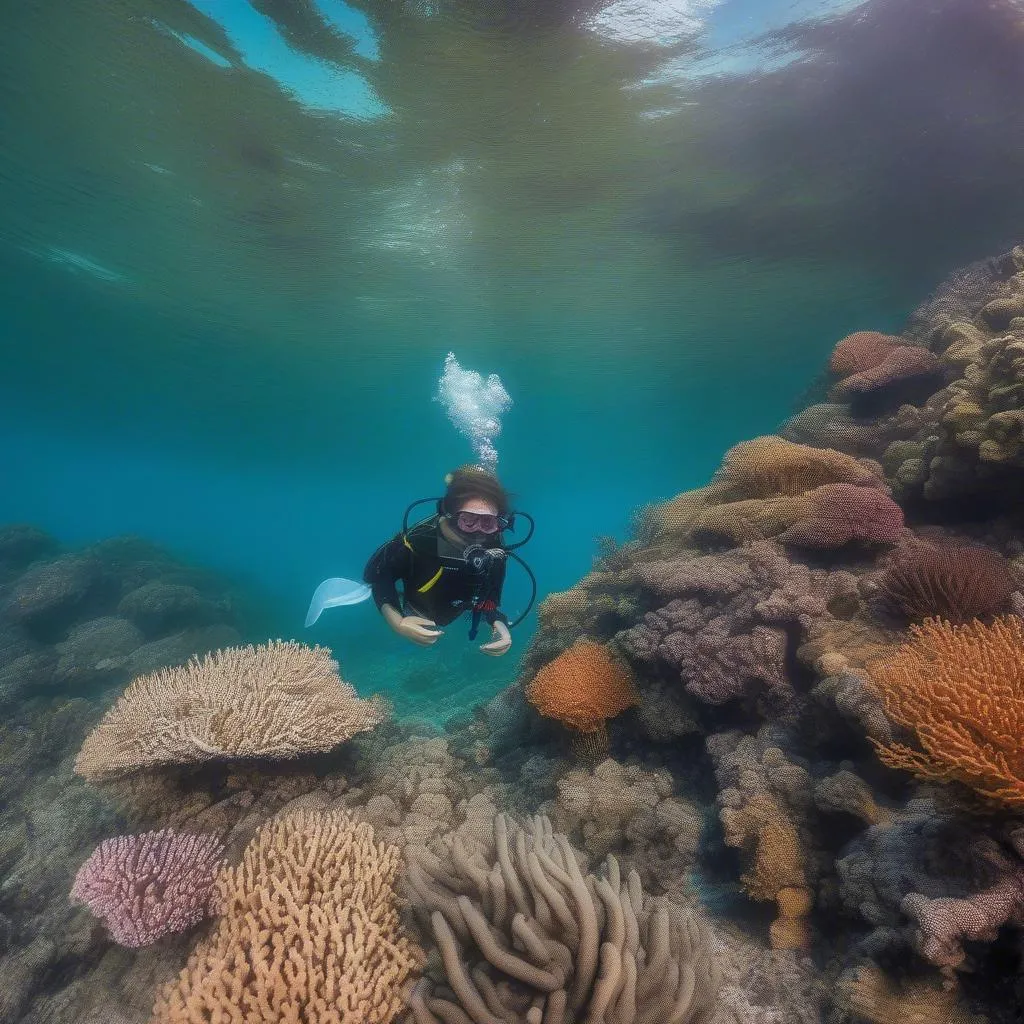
512 512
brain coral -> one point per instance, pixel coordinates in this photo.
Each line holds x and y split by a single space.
276 700
309 931
583 687
960 690
861 351
949 581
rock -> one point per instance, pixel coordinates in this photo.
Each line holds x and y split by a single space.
51 597
177 649
97 651
28 676
158 608
14 643
20 972
20 545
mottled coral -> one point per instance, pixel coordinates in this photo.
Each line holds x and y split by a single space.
309 930
960 690
583 687
547 942
146 886
955 582
276 700
841 514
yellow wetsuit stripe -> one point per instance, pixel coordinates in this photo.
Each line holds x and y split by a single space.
405 541
433 579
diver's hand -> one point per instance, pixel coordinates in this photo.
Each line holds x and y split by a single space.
500 642
413 627
419 630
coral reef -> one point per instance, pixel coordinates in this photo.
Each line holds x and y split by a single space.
549 943
309 924
147 886
273 700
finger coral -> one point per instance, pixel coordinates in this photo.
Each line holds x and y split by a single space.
276 700
147 886
583 687
309 930
525 937
949 581
960 690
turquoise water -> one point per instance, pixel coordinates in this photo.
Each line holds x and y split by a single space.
229 284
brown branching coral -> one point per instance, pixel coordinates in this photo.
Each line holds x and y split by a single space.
277 700
309 931
583 687
548 944
960 690
952 582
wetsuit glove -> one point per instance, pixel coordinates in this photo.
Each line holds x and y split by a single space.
501 640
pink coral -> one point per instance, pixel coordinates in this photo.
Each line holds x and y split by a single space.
861 351
905 365
845 513
146 886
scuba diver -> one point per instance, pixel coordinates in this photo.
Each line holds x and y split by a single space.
450 563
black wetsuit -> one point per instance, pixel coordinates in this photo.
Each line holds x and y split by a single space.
437 581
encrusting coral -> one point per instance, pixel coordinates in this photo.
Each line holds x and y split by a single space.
276 700
960 690
309 931
549 944
147 886
582 688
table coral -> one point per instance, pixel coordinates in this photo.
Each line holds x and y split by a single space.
276 700
960 690
309 930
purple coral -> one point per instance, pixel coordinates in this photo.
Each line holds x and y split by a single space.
845 513
146 886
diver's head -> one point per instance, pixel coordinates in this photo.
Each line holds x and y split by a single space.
475 504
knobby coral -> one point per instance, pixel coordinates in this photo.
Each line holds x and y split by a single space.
949 581
276 700
550 944
309 930
583 687
147 886
960 690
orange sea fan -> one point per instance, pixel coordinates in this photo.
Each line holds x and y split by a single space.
960 689
583 687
